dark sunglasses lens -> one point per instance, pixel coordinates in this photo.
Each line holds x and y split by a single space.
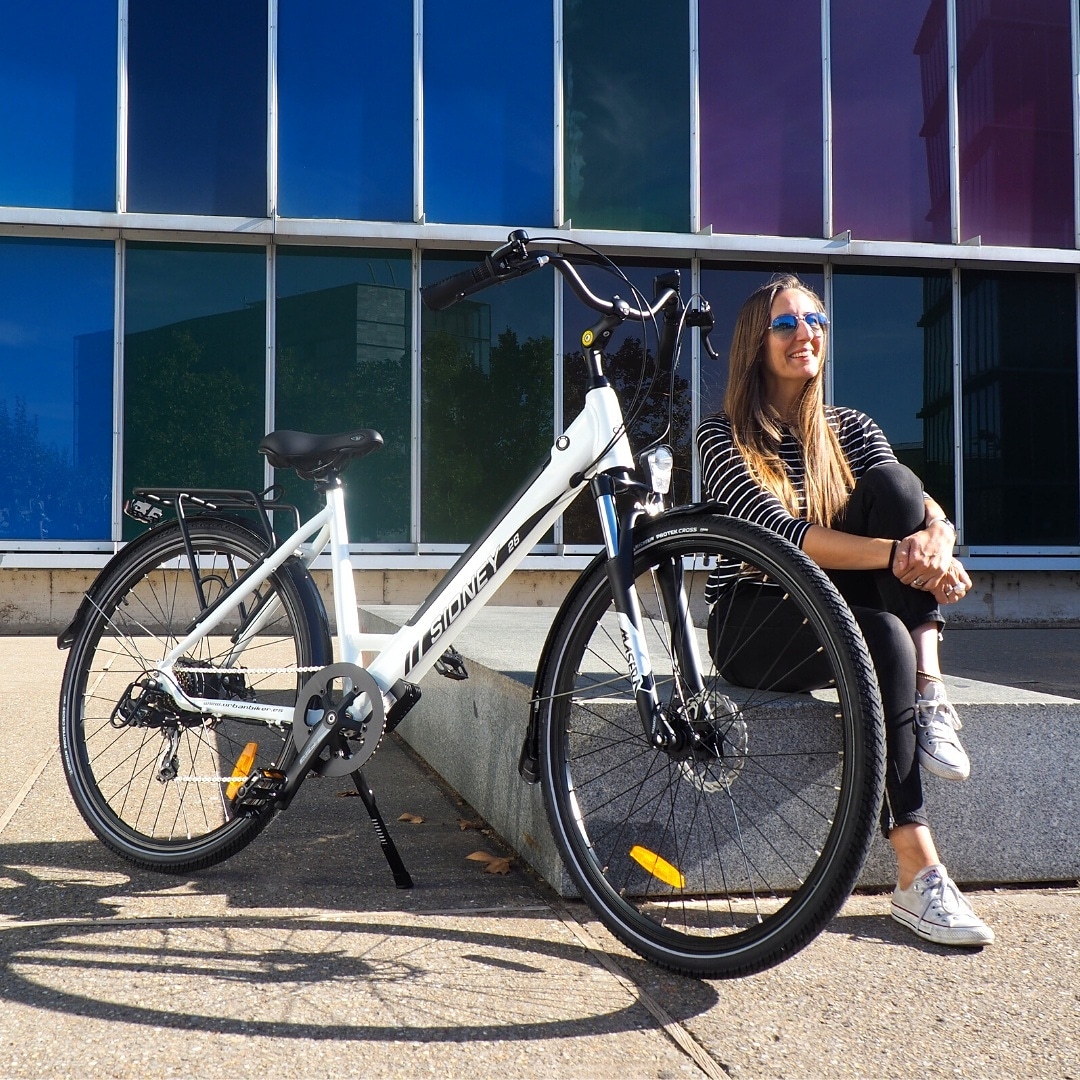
785 324
816 320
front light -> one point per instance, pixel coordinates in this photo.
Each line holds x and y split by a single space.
657 464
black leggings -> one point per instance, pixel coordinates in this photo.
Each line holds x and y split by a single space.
888 502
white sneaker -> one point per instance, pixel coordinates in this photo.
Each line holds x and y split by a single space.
936 910
936 724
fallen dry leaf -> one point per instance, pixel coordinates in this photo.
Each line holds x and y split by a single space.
464 823
412 819
493 864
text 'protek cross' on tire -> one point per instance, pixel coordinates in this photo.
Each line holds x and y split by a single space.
153 781
730 848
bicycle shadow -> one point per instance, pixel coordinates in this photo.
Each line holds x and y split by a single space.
93 941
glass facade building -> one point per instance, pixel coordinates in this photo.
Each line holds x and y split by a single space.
215 220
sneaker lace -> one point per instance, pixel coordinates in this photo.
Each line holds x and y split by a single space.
943 895
933 712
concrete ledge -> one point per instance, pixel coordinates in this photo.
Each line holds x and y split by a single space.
1012 822
42 599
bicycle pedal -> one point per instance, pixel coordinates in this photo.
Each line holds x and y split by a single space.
261 789
451 665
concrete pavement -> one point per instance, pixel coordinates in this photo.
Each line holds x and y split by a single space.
298 957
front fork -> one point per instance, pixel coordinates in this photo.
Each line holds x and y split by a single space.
619 546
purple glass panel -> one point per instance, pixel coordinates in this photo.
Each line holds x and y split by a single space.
1014 75
890 120
761 127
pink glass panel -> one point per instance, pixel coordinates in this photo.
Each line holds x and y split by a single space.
761 127
1014 73
890 120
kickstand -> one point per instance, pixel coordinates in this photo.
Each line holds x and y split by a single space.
402 878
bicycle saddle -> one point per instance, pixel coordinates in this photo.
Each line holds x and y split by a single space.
316 456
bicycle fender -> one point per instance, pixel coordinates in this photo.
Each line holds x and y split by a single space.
66 637
311 598
644 527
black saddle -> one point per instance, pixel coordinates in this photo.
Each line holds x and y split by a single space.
315 457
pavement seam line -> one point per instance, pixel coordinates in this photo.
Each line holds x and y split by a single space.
31 780
671 1027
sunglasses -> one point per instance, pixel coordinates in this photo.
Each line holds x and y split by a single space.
786 325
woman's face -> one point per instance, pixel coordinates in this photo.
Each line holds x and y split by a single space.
791 360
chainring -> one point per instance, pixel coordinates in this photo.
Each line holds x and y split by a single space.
331 690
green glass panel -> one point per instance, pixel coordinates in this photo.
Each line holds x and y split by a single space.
627 114
343 362
194 365
656 402
487 392
1018 361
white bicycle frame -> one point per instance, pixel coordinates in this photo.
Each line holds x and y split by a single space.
594 443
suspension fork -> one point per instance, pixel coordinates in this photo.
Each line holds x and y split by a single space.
619 546
686 656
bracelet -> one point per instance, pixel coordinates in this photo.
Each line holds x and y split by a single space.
892 554
934 521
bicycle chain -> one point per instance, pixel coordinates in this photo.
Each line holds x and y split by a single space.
245 671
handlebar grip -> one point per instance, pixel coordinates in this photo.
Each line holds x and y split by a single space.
443 294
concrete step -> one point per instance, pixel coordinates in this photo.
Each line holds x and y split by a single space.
1013 821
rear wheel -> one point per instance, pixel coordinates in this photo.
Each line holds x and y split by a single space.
729 849
155 783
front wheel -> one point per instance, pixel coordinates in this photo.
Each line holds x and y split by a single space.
731 847
154 783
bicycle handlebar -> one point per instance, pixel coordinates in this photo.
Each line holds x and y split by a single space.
509 261
513 259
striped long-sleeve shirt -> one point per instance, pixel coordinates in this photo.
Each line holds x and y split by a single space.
726 478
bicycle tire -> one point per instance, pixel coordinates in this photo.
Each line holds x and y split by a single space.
724 859
118 769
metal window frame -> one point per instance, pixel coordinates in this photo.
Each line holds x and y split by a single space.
417 237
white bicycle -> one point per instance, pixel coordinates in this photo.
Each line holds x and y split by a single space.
714 829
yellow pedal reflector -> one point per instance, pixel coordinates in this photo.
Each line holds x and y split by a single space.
242 768
660 868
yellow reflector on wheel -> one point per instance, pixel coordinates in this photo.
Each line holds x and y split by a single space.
651 863
241 769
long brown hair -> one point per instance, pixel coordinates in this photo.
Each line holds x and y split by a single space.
757 428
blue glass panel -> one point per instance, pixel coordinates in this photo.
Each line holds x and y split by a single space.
58 104
56 389
197 105
761 129
489 112
345 110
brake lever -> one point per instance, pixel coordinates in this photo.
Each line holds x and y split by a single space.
702 317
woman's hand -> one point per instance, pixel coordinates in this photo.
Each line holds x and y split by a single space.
953 585
923 560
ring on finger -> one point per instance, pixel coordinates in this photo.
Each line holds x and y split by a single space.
918 583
